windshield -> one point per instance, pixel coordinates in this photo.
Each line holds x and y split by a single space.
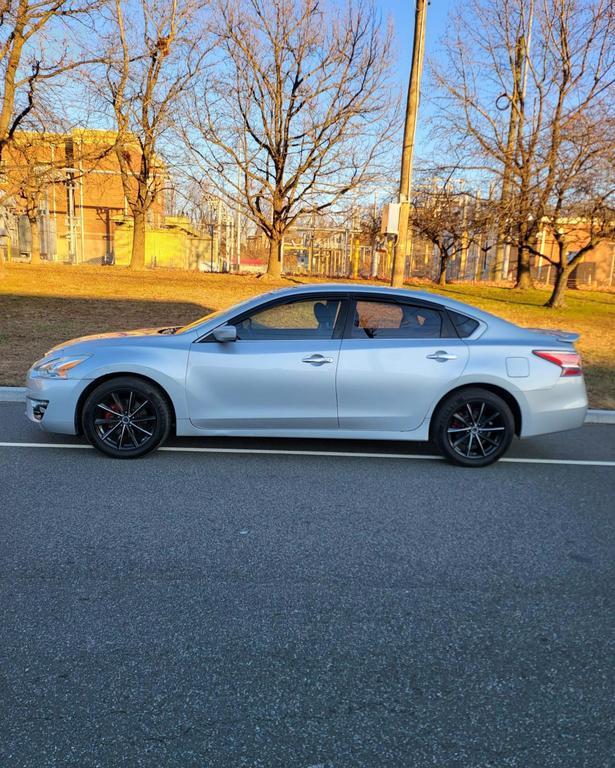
212 315
200 320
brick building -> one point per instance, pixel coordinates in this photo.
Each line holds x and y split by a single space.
67 190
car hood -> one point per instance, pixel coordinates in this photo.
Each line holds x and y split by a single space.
102 337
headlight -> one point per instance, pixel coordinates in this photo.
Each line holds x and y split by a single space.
57 367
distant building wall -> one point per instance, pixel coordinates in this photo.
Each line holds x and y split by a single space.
75 182
176 247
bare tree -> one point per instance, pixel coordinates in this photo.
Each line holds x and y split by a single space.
515 86
583 213
575 237
299 111
440 213
154 52
30 63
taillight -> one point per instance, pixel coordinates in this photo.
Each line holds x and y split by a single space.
569 362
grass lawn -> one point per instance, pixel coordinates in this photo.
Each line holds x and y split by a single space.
43 305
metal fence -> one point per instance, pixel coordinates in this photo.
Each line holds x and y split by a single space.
335 253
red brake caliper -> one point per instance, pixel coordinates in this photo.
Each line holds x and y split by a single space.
109 416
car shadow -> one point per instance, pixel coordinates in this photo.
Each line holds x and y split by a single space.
31 325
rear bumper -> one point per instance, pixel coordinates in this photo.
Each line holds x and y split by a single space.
561 407
61 397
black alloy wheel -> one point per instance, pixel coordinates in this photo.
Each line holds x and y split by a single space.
126 417
473 428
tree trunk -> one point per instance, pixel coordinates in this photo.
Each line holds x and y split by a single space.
274 264
442 274
137 258
556 299
35 244
524 273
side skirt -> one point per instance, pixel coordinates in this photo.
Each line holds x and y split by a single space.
185 428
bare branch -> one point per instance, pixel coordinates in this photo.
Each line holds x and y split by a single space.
298 112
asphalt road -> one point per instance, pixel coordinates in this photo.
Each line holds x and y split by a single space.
261 610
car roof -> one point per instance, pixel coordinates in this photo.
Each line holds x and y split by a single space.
489 323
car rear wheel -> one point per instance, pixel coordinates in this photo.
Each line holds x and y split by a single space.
126 417
473 428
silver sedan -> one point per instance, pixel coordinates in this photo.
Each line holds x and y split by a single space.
321 361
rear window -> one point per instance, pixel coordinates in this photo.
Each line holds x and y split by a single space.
465 326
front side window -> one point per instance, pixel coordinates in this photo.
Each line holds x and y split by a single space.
305 319
388 320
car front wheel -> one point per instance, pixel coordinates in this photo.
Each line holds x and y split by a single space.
473 428
126 417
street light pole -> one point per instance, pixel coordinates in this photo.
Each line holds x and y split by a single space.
405 179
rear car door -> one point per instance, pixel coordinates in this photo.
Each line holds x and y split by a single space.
278 375
397 357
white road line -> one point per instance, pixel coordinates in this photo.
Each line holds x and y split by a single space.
343 454
573 462
43 445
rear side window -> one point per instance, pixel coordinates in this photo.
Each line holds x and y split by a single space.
465 326
387 320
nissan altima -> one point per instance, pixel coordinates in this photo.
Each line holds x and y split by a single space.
325 361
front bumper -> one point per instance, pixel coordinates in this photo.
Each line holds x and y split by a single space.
61 397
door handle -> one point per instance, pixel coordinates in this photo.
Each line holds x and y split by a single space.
317 360
441 356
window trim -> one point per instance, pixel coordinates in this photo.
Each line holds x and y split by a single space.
447 326
338 330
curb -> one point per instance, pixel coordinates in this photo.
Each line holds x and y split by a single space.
595 416
12 394
18 395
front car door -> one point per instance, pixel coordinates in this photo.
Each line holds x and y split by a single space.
278 375
397 358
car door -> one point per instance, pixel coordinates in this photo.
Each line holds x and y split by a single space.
278 375
396 359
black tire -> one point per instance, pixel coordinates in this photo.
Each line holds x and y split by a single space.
126 417
473 427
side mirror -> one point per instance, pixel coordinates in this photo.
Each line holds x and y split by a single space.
225 333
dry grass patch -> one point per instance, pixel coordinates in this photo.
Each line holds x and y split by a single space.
44 305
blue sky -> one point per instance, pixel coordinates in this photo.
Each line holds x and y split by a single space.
402 13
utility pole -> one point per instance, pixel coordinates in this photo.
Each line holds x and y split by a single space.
412 107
